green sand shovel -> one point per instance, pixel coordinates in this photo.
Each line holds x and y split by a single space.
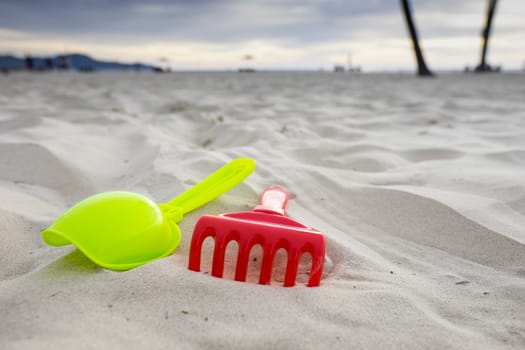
122 230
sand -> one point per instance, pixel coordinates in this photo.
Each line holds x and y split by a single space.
419 186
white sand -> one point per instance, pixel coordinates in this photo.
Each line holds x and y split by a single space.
419 186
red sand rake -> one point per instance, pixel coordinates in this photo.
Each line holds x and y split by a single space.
266 225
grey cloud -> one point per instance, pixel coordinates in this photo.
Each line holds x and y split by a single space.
229 20
206 20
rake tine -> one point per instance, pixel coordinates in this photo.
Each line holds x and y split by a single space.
241 269
316 272
291 268
195 249
266 265
218 256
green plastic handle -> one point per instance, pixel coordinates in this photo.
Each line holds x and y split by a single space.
214 185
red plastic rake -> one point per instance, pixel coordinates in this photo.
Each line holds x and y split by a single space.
266 225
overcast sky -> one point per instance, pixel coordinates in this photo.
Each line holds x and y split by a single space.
298 34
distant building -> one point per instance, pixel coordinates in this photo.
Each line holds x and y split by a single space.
246 70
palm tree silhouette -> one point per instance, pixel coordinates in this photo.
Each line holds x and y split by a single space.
483 66
422 69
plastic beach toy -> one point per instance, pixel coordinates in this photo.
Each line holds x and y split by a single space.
122 230
268 226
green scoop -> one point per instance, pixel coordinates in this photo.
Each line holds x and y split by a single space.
122 230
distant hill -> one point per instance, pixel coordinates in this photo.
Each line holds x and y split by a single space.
74 61
11 62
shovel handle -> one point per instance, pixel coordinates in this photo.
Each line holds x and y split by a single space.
214 185
273 200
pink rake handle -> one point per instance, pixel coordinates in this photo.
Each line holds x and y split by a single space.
273 201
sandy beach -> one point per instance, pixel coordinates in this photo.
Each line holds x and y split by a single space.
418 185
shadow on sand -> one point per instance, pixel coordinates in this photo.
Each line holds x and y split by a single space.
73 263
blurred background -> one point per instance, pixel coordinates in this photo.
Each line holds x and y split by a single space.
264 35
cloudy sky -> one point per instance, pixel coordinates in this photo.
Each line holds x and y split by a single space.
279 34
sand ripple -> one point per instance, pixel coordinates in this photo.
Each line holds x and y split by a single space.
417 184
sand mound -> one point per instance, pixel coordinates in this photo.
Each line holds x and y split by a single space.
417 184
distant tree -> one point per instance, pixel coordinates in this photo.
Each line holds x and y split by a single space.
422 69
63 62
29 63
49 63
